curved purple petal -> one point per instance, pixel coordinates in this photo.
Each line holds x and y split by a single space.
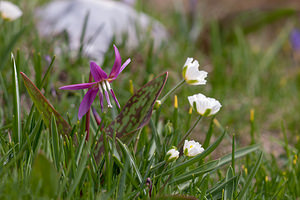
115 71
77 86
97 73
87 102
121 69
114 97
125 64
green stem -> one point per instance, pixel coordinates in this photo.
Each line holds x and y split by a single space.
172 90
189 132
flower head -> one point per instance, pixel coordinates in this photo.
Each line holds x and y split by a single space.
192 148
204 105
100 85
191 73
9 11
172 155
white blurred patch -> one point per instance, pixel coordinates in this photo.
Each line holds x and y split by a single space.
107 19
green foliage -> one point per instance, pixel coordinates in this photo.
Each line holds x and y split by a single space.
44 178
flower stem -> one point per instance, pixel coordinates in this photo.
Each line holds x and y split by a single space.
172 90
189 132
87 121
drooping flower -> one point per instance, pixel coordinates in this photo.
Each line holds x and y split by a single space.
9 11
191 73
100 85
204 106
172 155
192 148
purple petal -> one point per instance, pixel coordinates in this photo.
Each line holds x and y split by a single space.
87 102
114 97
125 64
97 73
121 69
117 65
77 86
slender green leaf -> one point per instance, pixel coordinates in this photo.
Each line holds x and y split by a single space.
216 191
133 164
17 133
123 180
55 141
238 154
229 188
47 72
249 179
209 166
81 168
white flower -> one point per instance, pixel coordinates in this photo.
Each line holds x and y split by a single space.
172 155
192 148
9 11
191 73
204 105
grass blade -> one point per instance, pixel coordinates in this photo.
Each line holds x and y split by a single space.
127 153
250 177
229 188
55 141
17 134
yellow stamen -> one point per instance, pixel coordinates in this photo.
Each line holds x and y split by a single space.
190 110
252 115
266 178
175 102
131 88
295 159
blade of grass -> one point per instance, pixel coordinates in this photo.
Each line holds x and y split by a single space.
55 142
229 188
17 133
123 180
127 153
246 187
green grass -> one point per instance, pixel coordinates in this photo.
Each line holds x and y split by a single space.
38 162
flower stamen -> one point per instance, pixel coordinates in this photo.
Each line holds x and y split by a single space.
106 95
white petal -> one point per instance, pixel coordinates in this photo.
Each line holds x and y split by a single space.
172 154
186 145
204 103
9 10
193 75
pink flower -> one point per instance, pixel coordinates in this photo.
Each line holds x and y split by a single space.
100 85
